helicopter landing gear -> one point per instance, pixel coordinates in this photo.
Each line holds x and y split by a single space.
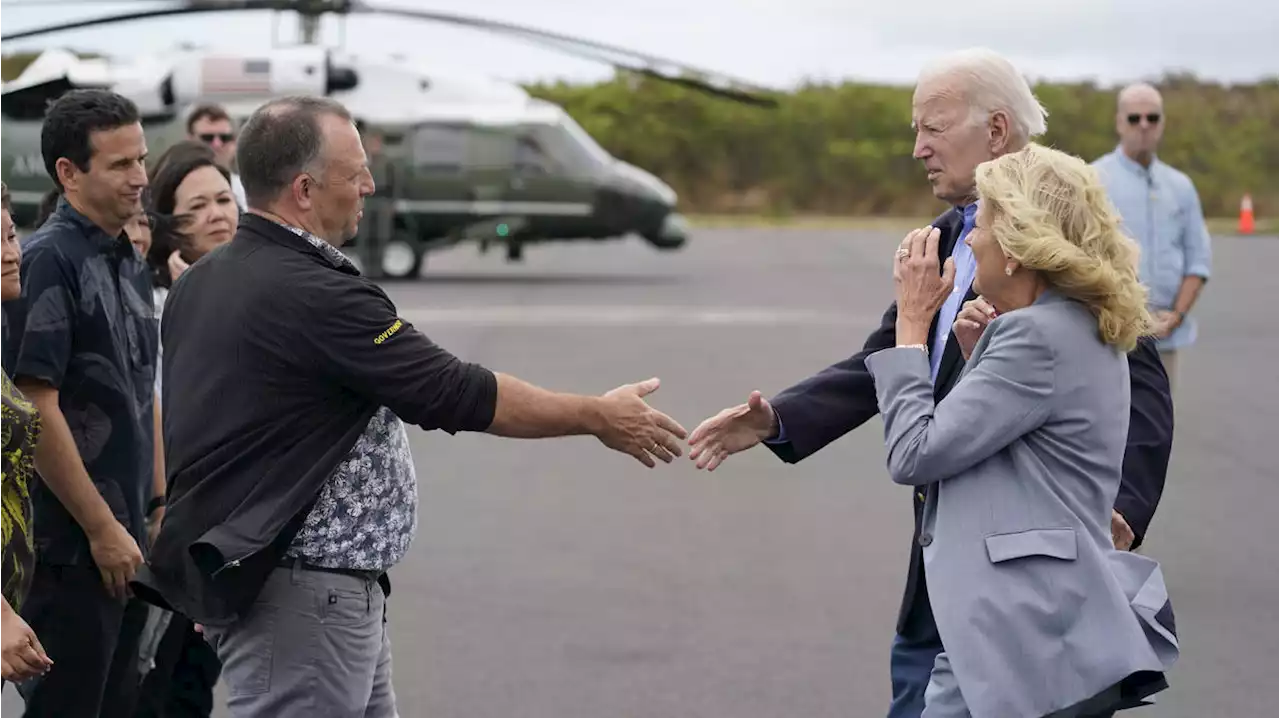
515 252
401 258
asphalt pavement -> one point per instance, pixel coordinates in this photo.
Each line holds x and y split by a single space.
557 578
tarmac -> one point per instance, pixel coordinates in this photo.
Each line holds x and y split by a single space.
557 578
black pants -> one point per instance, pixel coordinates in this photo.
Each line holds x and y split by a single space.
92 639
181 683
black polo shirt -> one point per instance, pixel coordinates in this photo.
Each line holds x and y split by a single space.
86 325
276 356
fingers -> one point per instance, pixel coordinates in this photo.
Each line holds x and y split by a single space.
646 387
38 649
669 425
918 239
932 236
948 267
642 456
755 401
666 448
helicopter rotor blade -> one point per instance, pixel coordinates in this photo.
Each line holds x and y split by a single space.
651 66
187 8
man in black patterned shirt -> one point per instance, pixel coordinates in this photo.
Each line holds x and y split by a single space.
286 377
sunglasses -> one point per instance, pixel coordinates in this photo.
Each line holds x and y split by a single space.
209 137
1153 118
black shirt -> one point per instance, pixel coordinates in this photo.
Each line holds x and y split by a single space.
85 324
276 357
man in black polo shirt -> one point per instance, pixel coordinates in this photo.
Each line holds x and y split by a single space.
287 379
83 343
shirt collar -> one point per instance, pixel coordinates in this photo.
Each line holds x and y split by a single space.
95 234
332 254
1133 165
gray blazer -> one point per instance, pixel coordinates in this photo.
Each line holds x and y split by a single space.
1036 609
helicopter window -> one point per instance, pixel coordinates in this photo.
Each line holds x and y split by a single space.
440 149
531 159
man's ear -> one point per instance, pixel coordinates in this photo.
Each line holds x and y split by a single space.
998 132
68 173
303 187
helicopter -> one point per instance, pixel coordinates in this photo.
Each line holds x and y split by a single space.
456 158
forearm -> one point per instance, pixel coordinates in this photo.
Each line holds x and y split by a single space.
525 411
1188 293
60 466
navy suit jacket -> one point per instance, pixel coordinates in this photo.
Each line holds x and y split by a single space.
841 397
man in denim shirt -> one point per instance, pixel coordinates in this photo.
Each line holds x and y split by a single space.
1161 211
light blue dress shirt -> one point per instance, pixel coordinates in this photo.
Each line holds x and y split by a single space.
1160 209
966 268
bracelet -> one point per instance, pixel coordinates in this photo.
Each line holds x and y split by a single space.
921 347
156 503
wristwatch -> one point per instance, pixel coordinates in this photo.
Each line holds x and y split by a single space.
921 347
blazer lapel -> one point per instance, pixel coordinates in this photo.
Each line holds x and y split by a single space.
951 359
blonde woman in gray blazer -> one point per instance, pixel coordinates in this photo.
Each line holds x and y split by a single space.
1039 614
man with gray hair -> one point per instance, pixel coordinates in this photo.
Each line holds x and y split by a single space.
968 107
286 379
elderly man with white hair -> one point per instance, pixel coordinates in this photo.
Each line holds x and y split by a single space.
969 107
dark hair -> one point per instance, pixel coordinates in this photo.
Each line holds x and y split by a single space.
168 231
210 111
48 203
73 118
281 140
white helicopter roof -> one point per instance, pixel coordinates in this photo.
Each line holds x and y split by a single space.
392 90
56 64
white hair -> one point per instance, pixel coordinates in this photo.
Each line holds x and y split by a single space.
992 84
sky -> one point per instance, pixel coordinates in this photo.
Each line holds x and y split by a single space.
776 43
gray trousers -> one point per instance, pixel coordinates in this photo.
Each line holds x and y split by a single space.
313 644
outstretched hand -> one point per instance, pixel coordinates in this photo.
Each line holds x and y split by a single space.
735 429
633 427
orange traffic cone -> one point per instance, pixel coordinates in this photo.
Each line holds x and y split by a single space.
1246 215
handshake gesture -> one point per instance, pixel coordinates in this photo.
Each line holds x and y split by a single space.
628 424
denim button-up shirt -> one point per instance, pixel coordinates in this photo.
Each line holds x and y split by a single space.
1161 211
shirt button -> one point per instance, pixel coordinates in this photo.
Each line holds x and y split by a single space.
926 539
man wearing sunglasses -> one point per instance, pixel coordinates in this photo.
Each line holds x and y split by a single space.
1161 211
212 125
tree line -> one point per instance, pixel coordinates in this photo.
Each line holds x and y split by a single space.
845 149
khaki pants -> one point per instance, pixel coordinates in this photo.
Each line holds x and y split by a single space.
1170 360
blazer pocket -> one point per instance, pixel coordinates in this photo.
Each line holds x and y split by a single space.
1054 543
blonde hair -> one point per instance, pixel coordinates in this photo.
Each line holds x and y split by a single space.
1050 212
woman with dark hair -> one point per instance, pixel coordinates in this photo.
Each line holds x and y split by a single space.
192 211
21 655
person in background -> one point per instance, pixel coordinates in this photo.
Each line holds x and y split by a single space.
968 107
21 654
210 124
194 212
86 336
1161 210
48 203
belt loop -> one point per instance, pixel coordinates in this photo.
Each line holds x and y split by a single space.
295 571
368 598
